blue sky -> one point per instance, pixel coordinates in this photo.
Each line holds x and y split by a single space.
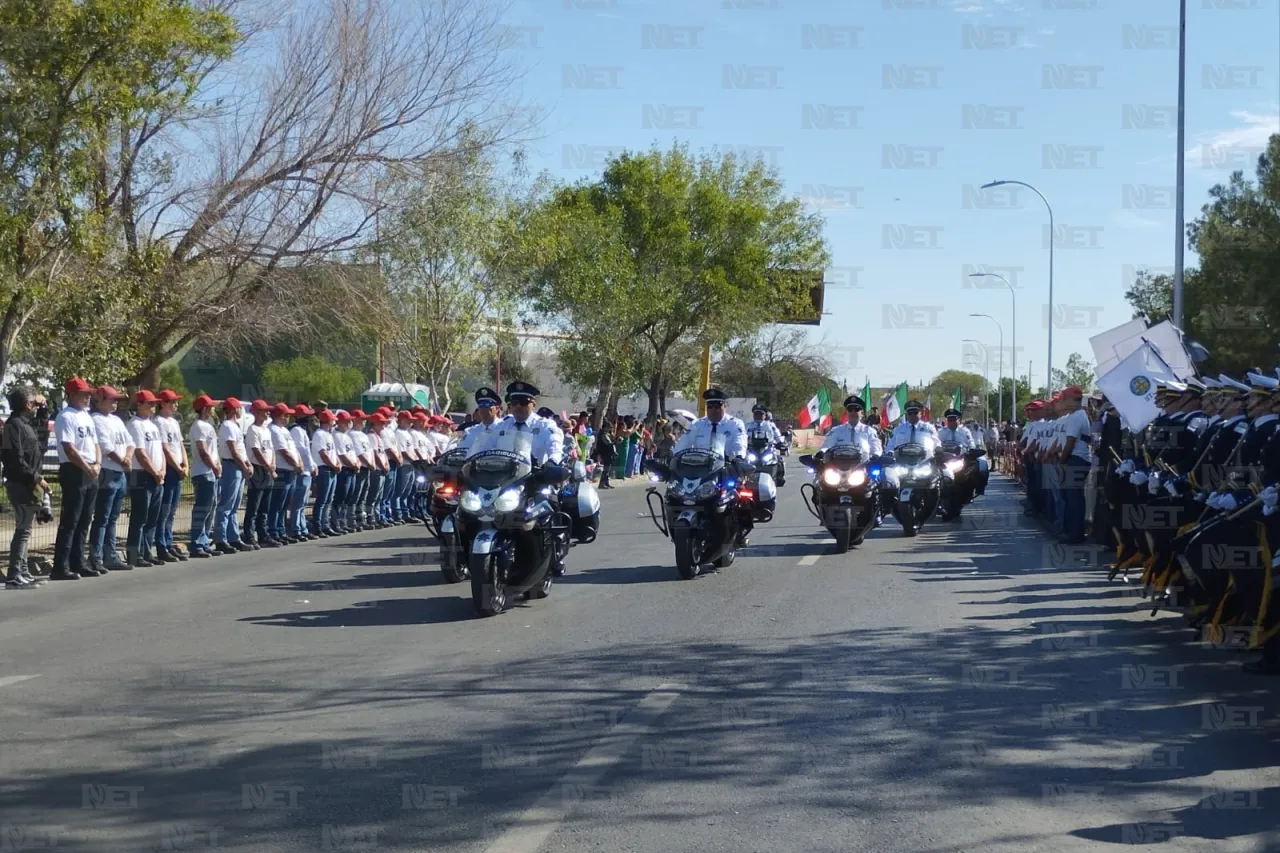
889 114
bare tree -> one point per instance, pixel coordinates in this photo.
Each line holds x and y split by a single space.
322 107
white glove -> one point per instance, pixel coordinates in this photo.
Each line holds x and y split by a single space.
1270 497
1171 488
1212 501
1126 467
1228 503
1270 510
1137 478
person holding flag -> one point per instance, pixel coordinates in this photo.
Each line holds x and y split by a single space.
816 414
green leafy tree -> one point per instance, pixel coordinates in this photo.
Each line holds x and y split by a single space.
777 367
1078 372
942 386
310 378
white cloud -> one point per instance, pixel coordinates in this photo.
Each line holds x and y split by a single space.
1236 147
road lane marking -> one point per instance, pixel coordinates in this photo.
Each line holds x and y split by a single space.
537 823
6 680
809 559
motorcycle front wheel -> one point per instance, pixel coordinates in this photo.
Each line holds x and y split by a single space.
686 558
488 591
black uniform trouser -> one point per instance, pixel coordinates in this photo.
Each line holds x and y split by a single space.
79 492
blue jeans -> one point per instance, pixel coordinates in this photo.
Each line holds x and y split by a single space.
281 491
404 489
389 492
1075 474
170 492
373 501
203 510
297 521
144 514
326 485
343 494
102 536
225 528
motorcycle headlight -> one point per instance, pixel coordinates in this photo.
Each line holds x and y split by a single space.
922 471
470 501
707 490
831 477
898 470
422 478
751 457
955 465
857 478
508 501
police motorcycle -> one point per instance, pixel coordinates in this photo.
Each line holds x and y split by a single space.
708 507
580 501
445 488
762 456
915 484
959 478
507 512
845 496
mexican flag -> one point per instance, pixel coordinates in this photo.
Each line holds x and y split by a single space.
956 402
927 414
817 412
894 402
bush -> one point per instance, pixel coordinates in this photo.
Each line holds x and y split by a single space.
310 378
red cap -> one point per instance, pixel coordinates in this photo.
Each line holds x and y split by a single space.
167 396
385 411
231 403
378 419
357 415
259 406
343 416
418 408
76 385
145 396
404 415
281 409
204 401
421 418
1073 391
325 417
106 392
302 410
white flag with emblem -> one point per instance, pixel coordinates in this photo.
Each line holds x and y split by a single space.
1131 386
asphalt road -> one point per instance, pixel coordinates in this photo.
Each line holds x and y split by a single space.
973 689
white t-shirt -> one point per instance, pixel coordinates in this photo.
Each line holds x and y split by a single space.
322 443
259 438
343 445
363 446
113 437
202 434
281 440
170 434
378 447
148 440
407 443
1077 425
75 427
425 446
230 432
302 445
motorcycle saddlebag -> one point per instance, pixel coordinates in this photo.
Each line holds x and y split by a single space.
766 492
581 502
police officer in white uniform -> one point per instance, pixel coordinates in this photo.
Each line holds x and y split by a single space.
912 430
855 431
522 431
486 404
718 432
953 433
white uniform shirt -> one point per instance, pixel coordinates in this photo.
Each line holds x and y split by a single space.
764 429
363 446
170 434
531 439
322 444
923 433
230 432
113 437
867 437
148 440
75 427
728 437
482 433
960 435
282 440
302 445
1077 425
343 445
202 434
259 438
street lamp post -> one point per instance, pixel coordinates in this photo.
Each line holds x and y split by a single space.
1179 215
1051 240
986 378
999 370
1013 344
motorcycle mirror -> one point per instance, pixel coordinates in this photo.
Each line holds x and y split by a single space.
579 472
807 460
653 466
553 475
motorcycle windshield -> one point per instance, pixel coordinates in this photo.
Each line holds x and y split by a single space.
911 454
952 448
494 469
696 464
757 444
844 456
453 459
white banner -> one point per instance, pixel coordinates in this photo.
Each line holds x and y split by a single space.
1131 386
